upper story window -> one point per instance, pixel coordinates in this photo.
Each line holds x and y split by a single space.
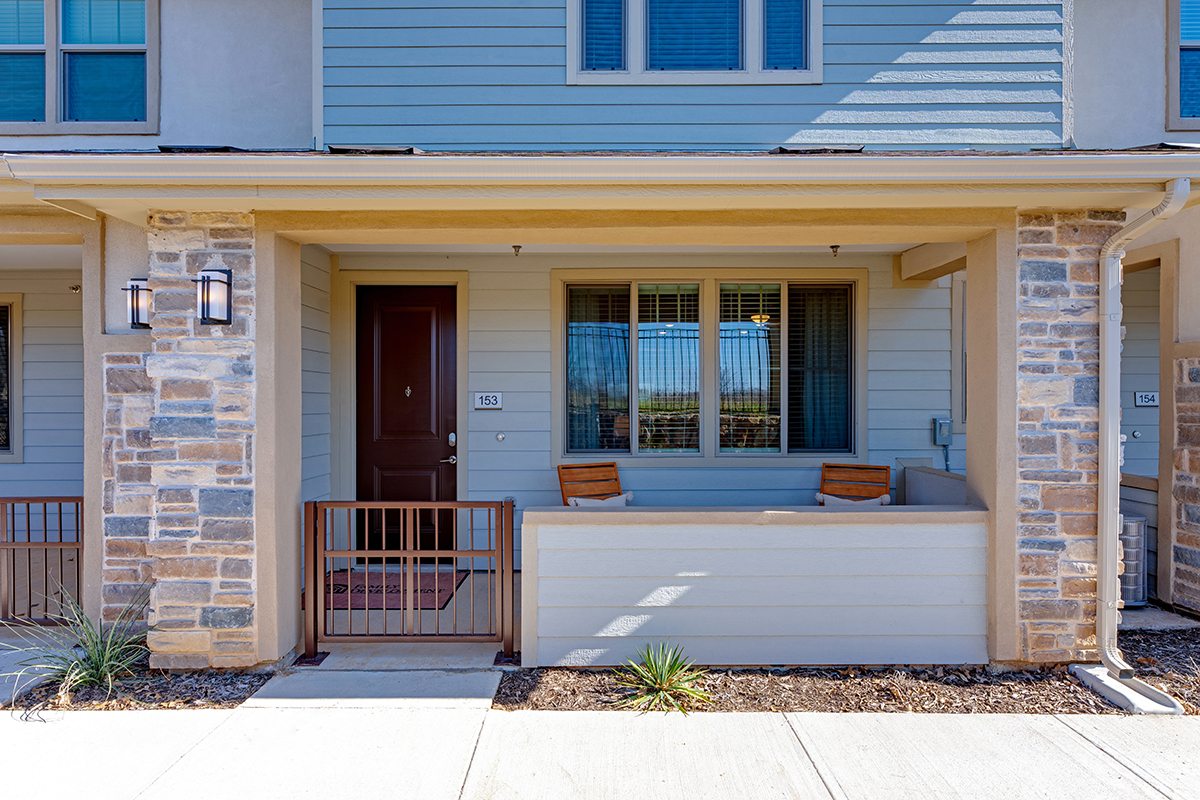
1189 58
1183 96
78 66
694 41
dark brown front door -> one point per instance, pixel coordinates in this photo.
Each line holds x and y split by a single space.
406 394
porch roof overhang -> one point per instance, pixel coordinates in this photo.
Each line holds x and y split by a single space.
128 185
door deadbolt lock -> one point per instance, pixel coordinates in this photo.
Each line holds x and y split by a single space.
450 460
453 440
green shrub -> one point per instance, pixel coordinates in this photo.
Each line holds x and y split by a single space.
79 653
662 680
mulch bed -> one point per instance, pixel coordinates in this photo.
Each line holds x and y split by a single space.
154 689
1170 660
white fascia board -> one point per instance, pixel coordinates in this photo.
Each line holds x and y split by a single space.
350 171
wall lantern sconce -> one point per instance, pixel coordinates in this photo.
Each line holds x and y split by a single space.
214 297
138 302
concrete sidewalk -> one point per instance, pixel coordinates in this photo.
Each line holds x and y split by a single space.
439 746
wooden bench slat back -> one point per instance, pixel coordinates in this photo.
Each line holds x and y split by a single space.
855 481
588 480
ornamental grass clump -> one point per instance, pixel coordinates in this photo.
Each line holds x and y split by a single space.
662 680
79 653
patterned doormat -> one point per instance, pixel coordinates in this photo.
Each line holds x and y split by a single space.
365 590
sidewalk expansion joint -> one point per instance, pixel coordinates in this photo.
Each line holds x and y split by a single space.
1112 753
186 752
814 757
474 749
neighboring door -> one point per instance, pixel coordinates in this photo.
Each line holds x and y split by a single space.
407 400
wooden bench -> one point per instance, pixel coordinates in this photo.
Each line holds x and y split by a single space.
596 481
855 481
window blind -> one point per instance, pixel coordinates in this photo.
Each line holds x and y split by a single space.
22 87
1189 82
5 406
22 22
1189 20
669 368
819 368
597 368
603 34
104 21
749 379
784 34
693 34
106 87
1189 58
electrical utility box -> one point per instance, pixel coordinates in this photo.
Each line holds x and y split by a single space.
943 431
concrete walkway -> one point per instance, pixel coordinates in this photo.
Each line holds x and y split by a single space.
430 734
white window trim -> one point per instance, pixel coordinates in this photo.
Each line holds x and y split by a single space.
635 51
16 390
958 351
709 279
1175 120
55 125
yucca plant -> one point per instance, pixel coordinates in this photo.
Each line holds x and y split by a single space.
662 680
80 653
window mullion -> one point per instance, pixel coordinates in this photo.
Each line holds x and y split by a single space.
784 322
710 377
52 58
634 400
635 36
104 48
752 35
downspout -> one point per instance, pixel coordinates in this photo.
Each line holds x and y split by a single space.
1108 592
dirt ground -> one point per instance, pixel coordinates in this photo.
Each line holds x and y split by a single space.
1170 660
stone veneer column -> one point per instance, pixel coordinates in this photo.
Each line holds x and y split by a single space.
178 453
1058 429
1185 492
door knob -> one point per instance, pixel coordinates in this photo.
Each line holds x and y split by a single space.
450 460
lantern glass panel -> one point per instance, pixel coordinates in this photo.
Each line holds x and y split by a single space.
137 302
214 301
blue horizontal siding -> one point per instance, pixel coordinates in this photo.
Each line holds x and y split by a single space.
474 75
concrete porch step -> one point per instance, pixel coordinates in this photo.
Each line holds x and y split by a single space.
320 688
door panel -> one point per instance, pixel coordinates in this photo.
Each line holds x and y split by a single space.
406 362
407 399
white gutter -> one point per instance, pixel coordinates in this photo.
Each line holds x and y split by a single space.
114 169
1108 593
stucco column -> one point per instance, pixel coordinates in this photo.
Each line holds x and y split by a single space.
278 457
991 333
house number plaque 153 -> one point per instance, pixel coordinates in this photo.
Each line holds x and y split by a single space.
489 401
